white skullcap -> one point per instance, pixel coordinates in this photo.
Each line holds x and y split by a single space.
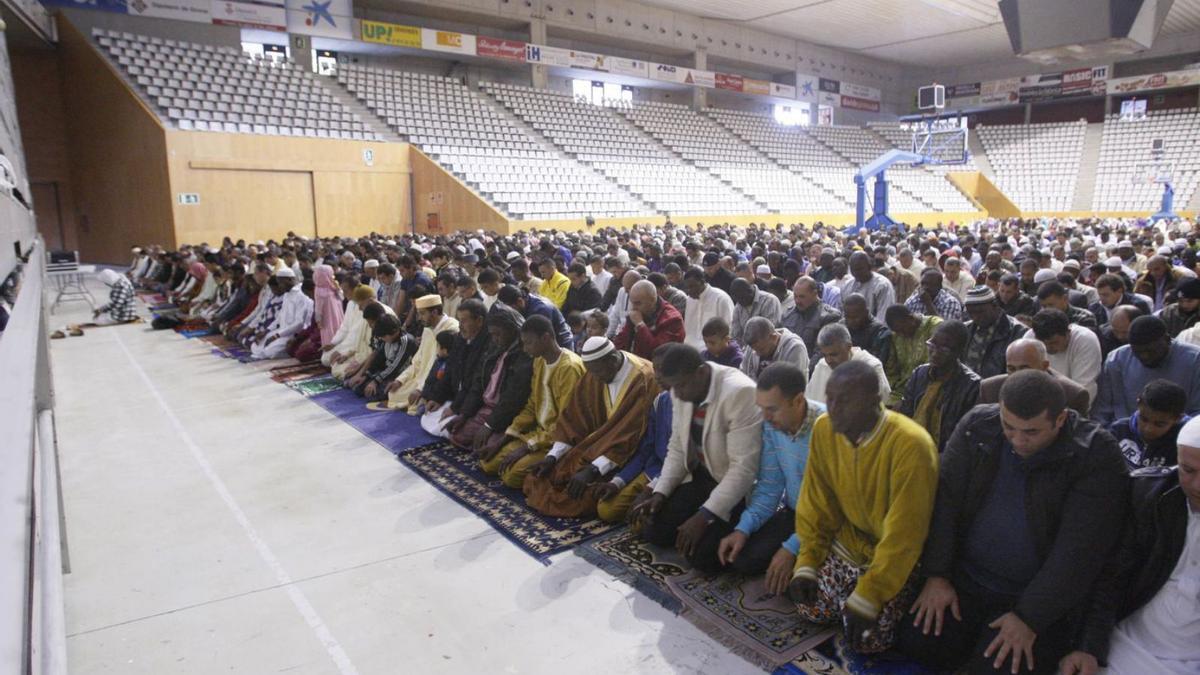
512 255
109 277
763 269
595 348
1124 242
1113 262
371 263
1044 275
1165 250
1189 435
136 249
285 273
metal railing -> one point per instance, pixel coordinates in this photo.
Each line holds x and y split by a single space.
32 551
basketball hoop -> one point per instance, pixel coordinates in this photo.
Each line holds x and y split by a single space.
941 139
1153 173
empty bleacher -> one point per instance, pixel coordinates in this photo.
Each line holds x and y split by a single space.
1126 150
206 88
1036 165
500 159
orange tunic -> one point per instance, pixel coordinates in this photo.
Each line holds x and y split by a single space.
592 430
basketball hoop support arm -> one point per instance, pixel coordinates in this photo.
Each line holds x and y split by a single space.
1166 210
880 218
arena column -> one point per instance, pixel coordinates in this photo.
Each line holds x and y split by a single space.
537 35
700 94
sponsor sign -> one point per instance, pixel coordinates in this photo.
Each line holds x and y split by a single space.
1044 87
760 87
1170 80
860 91
447 41
963 90
830 86
730 82
547 56
702 78
118 6
857 103
495 48
249 15
198 11
323 18
829 99
392 34
783 90
586 60
806 87
622 66
1077 82
666 73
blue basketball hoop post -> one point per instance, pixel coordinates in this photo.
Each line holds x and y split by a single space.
1166 210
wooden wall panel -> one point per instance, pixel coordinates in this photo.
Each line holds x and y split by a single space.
437 192
320 187
118 155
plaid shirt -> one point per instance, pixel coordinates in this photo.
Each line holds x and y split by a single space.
120 301
945 305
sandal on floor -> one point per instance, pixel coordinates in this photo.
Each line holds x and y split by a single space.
57 335
75 332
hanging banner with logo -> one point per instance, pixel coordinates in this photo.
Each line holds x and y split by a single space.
1043 87
622 66
856 103
730 82
860 91
249 15
323 18
806 87
1000 92
196 11
760 87
666 73
830 86
963 90
447 41
701 78
586 60
1077 82
1169 80
495 48
827 98
392 34
547 56
783 90
115 6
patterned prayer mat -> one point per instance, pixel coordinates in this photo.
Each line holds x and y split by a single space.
741 614
313 386
298 371
652 570
454 473
394 430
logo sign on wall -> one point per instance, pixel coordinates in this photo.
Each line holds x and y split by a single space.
666 73
392 34
806 87
447 41
507 50
829 99
547 56
857 103
730 82
197 11
783 90
962 90
830 86
586 60
323 18
249 15
860 91
702 78
622 66
760 87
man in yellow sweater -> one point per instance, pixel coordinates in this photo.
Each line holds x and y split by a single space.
555 284
863 512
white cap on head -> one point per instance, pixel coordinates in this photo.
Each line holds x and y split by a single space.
371 263
285 273
109 277
1113 262
1189 435
595 348
763 269
1044 275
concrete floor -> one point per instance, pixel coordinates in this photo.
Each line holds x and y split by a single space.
219 522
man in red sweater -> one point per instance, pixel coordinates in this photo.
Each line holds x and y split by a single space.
649 323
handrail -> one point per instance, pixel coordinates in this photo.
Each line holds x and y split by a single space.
32 636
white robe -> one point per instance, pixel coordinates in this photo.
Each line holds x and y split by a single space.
713 302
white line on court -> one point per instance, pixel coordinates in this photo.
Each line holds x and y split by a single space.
332 646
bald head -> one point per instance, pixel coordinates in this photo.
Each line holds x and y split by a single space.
631 277
1025 354
643 289
1121 318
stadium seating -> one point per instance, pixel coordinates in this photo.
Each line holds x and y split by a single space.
500 159
1126 156
205 88
1036 165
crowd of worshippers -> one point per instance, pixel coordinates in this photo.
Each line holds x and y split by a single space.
969 444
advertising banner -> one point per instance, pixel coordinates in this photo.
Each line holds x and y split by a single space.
730 82
661 71
1077 82
1044 87
616 64
1000 92
197 11
834 100
830 86
447 41
1170 80
783 90
701 78
547 56
806 87
117 6
331 18
495 48
857 103
249 15
860 91
586 60
392 34
760 87
963 90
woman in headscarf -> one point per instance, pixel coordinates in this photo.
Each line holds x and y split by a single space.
345 339
327 297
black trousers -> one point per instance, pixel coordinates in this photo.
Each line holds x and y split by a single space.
962 643
684 503
756 556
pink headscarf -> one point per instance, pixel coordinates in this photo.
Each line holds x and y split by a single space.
327 302
199 271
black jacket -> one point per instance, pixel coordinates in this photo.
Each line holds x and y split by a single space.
514 386
464 361
875 337
1151 544
993 361
1023 304
582 298
1072 501
1101 313
959 395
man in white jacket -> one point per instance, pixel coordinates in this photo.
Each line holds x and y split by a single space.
1073 351
705 302
712 457
294 315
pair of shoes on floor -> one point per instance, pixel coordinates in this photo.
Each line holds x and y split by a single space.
73 331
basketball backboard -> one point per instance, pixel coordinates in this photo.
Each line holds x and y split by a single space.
941 140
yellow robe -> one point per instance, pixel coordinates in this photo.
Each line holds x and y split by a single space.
533 425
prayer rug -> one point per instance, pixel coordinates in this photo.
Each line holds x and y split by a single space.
741 614
232 351
217 340
394 430
459 477
299 371
835 657
191 327
314 385
199 332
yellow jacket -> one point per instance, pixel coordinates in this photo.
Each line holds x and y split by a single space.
564 378
555 289
870 504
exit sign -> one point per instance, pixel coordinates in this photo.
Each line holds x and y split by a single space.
189 198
